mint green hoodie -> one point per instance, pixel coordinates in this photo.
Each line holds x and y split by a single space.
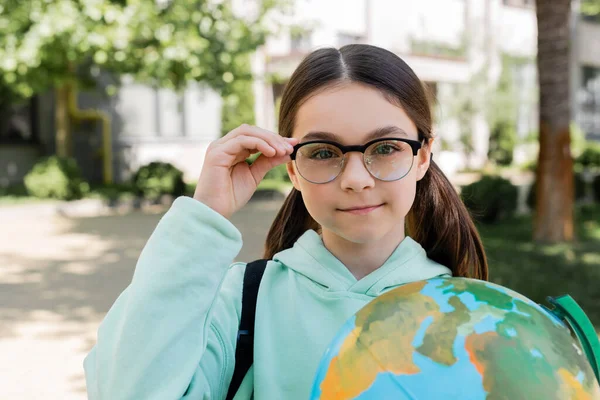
171 334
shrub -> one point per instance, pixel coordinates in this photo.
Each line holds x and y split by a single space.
503 139
158 178
590 158
279 173
56 178
596 188
491 198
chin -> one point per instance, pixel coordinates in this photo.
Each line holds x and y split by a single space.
361 234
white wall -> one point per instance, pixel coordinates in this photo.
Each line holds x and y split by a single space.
144 112
588 43
516 31
394 22
325 19
161 125
188 157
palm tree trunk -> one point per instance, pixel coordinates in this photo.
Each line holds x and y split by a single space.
555 197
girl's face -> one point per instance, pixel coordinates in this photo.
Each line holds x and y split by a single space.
348 114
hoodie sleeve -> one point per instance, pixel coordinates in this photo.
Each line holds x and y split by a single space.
171 333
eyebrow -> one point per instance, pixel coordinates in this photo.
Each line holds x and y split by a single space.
376 134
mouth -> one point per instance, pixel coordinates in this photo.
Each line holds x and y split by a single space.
361 210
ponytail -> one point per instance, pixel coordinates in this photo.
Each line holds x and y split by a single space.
440 222
290 223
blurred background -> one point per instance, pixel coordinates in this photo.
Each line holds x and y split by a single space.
107 108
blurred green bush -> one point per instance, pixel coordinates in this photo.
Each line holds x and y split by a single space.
279 173
590 157
158 178
490 199
503 139
56 178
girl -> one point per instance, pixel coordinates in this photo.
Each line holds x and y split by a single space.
369 211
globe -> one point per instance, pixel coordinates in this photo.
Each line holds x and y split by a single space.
454 338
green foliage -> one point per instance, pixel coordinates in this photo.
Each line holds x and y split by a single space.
502 111
238 104
279 173
591 8
56 178
596 188
435 48
590 157
502 143
463 106
112 192
490 199
578 140
513 255
158 178
164 43
579 190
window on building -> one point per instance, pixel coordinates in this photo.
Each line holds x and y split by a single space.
588 102
519 3
300 40
17 122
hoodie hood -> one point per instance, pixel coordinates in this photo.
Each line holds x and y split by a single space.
408 263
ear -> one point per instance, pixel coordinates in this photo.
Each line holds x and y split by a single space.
293 174
424 159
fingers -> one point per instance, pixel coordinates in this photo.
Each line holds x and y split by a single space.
251 144
263 164
240 143
239 149
281 144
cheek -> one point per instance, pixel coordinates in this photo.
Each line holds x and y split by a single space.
318 199
401 194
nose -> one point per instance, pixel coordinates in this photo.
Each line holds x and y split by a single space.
355 176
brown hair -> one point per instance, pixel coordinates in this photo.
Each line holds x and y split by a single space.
438 219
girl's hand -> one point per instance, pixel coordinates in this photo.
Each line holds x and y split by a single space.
227 182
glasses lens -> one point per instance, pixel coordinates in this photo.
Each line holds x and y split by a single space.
389 160
319 162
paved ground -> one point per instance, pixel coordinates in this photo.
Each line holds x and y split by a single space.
58 278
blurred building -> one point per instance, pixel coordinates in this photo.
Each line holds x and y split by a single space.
586 76
147 124
457 47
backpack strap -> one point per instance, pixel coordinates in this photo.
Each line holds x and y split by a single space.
244 351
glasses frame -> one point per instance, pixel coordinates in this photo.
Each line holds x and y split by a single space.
414 144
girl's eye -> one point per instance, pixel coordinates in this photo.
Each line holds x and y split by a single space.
384 149
322 154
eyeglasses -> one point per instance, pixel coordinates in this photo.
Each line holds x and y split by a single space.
386 159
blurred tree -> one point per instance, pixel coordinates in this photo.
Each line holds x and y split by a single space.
464 105
64 43
590 8
554 173
238 100
502 110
